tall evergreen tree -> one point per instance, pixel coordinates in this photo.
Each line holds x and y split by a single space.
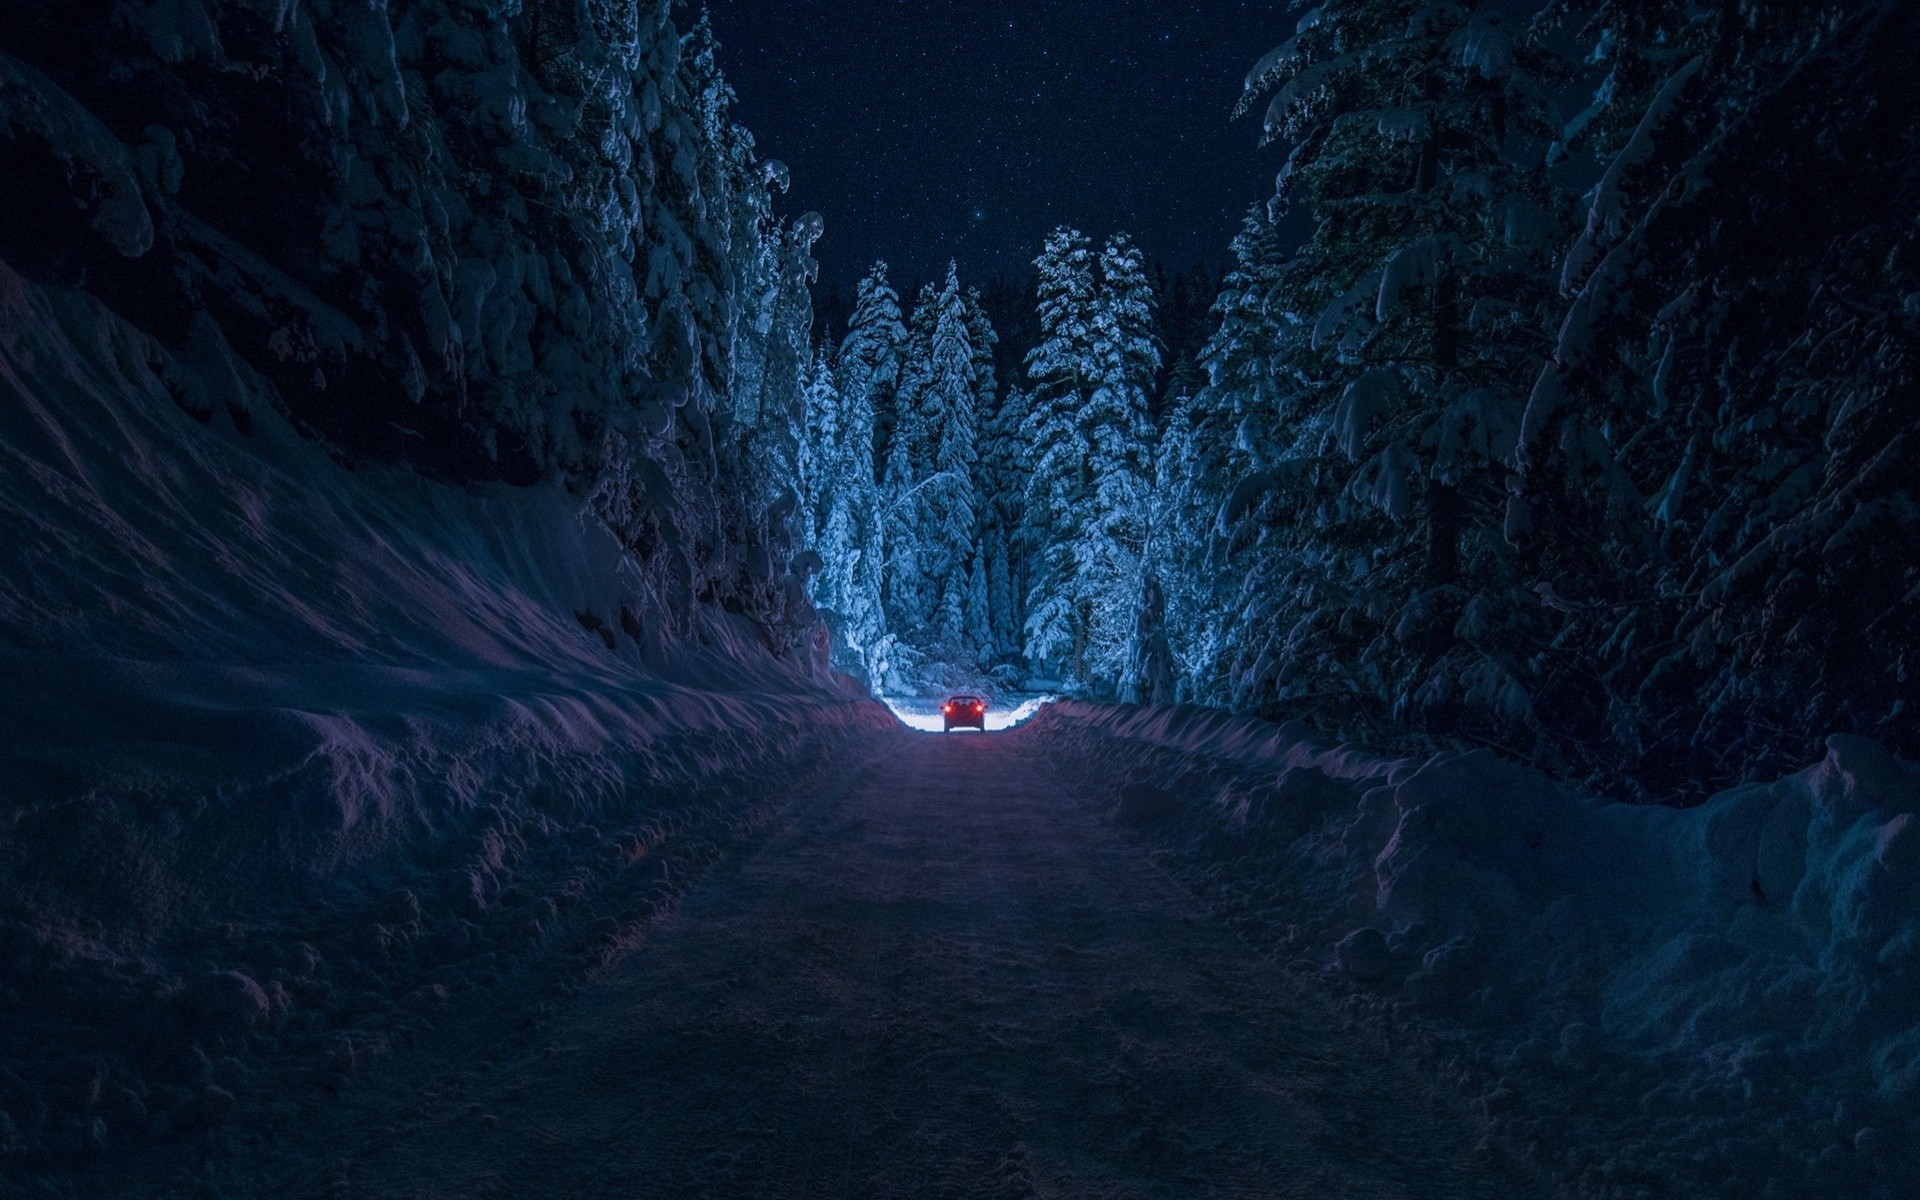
1112 543
1060 486
1711 465
868 380
1004 529
989 540
1241 379
1087 501
1374 463
950 531
820 448
870 357
911 593
840 488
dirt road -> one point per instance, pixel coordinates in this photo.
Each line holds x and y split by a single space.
945 976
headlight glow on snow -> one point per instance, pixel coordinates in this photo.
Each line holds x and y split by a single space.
927 716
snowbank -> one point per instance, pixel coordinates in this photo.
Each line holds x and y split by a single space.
296 753
1729 991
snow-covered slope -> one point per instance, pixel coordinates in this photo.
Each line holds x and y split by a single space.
1727 992
291 750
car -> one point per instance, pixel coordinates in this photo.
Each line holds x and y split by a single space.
966 712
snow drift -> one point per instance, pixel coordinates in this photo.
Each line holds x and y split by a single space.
295 752
1728 990
310 721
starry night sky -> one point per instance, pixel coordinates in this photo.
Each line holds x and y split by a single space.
925 130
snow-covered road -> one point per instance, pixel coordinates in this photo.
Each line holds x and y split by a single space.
943 975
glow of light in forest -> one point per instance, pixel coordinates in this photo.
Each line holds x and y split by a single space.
924 714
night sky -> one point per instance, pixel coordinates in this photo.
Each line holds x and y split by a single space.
925 130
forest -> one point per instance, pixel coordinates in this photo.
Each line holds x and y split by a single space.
1574 429
1448 662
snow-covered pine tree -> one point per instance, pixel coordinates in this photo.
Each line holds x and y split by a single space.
1192 470
984 341
978 613
1059 490
820 450
1008 471
1088 428
1714 461
825 506
713 292
786 354
947 402
911 594
847 590
1375 464
867 379
1112 542
870 356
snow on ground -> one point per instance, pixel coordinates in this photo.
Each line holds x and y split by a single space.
294 755
1716 1001
940 975
1004 711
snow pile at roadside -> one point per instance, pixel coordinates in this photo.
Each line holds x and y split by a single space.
1729 992
294 755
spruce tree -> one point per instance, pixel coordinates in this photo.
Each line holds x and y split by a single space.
1008 469
950 531
1112 542
870 356
820 449
1060 488
866 379
987 480
912 593
1714 461
1093 372
1373 458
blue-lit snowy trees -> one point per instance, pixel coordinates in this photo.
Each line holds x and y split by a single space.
1379 383
910 584
1090 439
1606 483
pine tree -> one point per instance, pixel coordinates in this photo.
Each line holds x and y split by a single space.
1007 467
948 400
870 357
821 449
1112 545
912 594
978 629
868 380
1374 456
985 343
1060 487
1710 465
1093 372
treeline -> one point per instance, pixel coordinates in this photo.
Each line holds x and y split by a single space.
1617 476
1622 482
963 527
